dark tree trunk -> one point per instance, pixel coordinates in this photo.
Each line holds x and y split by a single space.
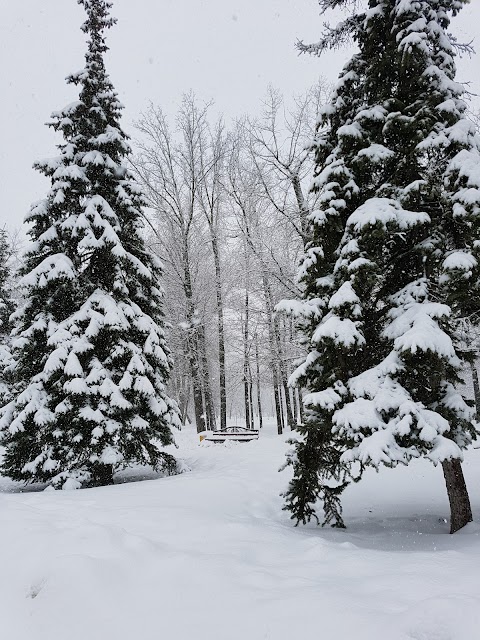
282 408
193 355
302 206
288 405
300 406
259 385
102 475
245 366
283 378
273 354
246 360
184 401
476 388
221 334
283 382
247 401
293 391
460 509
205 376
295 408
197 392
283 375
250 395
246 395
278 402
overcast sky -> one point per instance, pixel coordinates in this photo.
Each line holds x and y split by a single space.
225 50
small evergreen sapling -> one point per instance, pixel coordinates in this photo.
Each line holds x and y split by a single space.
91 357
392 262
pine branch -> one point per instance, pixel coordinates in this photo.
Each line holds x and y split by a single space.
333 37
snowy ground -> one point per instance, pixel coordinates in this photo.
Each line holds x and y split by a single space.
209 555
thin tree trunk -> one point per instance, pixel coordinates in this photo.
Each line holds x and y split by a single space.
288 404
175 387
184 380
460 509
279 352
193 355
184 400
283 376
259 386
195 376
281 394
295 409
278 403
245 361
476 388
292 391
300 405
250 395
246 333
247 401
221 333
273 354
207 389
296 402
196 386
302 206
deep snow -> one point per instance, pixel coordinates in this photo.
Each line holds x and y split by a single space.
209 555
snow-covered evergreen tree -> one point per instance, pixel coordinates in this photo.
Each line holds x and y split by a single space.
6 309
6 304
393 259
90 350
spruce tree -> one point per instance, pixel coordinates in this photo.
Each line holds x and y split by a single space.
6 309
392 262
6 302
91 358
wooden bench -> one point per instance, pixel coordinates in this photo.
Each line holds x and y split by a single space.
233 434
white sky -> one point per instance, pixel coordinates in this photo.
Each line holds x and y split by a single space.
225 50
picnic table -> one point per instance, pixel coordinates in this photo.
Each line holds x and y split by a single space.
232 434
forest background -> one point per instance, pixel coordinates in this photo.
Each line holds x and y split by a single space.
237 220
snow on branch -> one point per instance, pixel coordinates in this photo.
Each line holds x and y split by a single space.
326 5
462 48
333 37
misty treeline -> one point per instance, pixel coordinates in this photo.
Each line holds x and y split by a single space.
228 208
